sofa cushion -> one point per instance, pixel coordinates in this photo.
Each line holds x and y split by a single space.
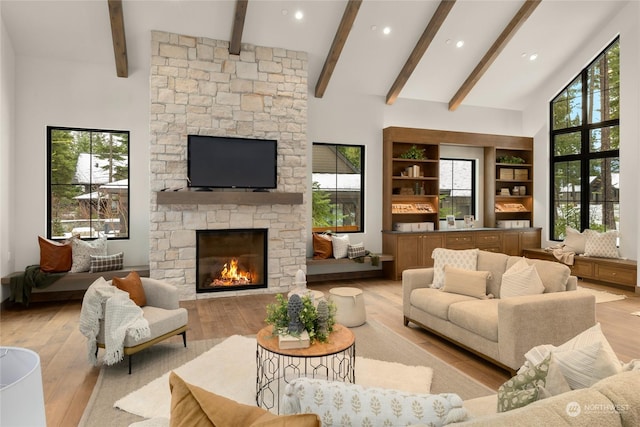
521 279
465 282
435 302
161 321
496 263
477 316
466 259
554 275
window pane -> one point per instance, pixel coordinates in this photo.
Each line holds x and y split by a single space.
89 183
457 187
337 187
603 79
604 139
604 194
566 197
567 107
567 144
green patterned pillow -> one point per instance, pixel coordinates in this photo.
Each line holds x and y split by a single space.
535 383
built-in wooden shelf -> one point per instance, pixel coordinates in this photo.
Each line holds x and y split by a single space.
186 197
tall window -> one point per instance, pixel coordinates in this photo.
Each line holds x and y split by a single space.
88 183
338 188
585 147
457 187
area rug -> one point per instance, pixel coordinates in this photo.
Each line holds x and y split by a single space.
374 343
602 296
636 313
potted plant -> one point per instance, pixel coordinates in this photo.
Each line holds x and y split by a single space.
316 321
414 153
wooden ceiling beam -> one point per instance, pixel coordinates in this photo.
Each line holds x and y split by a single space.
419 50
348 18
116 17
238 26
501 42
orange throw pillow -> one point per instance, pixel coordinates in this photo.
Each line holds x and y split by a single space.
195 406
55 257
322 246
133 285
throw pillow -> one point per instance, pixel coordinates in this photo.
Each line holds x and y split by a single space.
574 241
322 246
55 257
82 250
466 259
340 246
195 406
603 245
521 279
132 284
106 262
356 251
465 282
535 383
554 275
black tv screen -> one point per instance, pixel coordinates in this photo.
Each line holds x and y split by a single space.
222 162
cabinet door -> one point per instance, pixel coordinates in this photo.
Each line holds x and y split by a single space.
459 240
511 243
428 243
408 253
530 239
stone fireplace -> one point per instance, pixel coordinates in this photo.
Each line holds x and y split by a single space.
198 88
231 259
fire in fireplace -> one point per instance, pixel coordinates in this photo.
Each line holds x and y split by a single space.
231 259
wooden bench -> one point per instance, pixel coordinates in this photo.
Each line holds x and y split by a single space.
344 268
610 271
72 286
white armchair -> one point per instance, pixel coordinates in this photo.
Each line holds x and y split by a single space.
163 312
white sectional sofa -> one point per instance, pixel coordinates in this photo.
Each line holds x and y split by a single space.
501 330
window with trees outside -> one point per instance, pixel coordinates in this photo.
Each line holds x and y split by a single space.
585 143
457 187
338 188
88 183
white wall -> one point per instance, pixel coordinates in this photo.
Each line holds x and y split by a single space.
86 95
7 133
536 123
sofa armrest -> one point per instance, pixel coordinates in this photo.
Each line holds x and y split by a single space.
413 279
572 283
551 318
160 294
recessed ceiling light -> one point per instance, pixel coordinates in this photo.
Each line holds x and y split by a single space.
299 15
533 57
386 30
460 43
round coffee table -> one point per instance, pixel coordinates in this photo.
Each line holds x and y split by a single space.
334 360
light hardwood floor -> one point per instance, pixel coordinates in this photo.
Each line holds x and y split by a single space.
51 329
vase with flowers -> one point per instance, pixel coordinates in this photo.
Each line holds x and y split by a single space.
317 326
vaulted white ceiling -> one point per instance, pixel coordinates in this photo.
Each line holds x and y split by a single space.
79 30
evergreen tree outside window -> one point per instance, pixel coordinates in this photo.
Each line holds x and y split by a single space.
88 183
337 188
585 147
457 188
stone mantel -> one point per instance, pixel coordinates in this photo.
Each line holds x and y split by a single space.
228 198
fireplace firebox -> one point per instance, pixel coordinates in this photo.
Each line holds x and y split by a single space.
231 259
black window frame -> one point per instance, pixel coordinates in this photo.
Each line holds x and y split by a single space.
586 155
50 185
334 227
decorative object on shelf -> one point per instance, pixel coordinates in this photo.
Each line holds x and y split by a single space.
515 191
414 153
514 160
468 221
506 173
451 221
523 190
293 311
510 207
505 192
278 316
323 318
521 174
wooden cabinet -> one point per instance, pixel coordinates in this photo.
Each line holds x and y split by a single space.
413 250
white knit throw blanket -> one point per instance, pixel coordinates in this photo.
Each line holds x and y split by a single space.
121 316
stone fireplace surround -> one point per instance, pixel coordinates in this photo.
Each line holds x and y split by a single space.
197 87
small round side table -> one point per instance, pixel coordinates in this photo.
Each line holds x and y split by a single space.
334 360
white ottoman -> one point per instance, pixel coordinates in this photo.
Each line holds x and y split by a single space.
349 304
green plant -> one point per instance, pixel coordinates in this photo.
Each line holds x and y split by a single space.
413 153
278 316
514 160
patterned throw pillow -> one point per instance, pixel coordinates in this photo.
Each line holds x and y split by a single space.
82 250
521 279
340 246
106 262
465 259
603 245
356 250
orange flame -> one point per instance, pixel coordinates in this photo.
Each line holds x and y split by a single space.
231 274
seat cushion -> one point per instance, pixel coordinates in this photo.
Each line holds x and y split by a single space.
436 302
477 316
160 321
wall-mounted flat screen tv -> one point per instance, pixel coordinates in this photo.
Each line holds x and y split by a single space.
224 162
